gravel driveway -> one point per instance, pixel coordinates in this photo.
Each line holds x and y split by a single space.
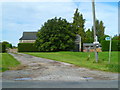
35 68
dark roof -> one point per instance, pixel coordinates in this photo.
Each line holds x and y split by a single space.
29 36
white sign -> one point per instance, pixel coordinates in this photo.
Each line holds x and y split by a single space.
107 38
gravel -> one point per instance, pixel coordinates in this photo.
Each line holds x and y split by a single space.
44 69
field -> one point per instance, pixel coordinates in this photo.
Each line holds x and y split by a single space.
7 61
84 59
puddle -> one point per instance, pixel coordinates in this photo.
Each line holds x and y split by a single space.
87 78
22 79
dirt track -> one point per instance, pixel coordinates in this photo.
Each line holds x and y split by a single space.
44 69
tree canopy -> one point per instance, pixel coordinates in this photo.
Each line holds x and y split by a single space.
89 36
56 35
116 37
100 29
78 23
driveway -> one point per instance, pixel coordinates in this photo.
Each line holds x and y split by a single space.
42 70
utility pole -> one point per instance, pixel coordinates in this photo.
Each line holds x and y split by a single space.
110 48
94 28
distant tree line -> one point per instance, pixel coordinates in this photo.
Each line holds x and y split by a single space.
4 45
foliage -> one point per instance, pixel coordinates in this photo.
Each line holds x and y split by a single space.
89 36
7 61
27 47
8 45
78 23
4 45
2 48
116 37
81 59
100 29
5 42
103 38
115 45
55 35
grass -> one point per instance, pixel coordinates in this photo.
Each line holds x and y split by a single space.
7 61
84 59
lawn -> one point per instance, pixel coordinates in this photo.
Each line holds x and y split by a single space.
6 61
82 59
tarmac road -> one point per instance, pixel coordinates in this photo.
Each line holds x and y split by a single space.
61 84
45 73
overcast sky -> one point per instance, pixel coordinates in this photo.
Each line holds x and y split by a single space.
18 17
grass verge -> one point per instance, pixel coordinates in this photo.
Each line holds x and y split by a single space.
7 61
84 59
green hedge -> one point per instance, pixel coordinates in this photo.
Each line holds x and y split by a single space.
115 45
2 48
27 47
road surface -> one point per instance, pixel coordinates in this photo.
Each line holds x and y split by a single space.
35 72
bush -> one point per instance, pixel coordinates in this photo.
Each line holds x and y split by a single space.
8 45
27 47
2 48
115 45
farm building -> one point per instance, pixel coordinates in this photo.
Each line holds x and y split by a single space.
89 47
28 37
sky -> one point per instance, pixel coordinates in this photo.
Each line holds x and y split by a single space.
17 17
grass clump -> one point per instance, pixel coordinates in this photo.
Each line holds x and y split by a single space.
7 61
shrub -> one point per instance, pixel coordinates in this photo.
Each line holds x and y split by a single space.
115 45
8 45
27 47
2 48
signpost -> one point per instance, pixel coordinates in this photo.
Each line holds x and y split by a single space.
109 39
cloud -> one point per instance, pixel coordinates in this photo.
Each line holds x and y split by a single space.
19 17
29 16
105 12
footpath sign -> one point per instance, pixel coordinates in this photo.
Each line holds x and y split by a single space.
109 39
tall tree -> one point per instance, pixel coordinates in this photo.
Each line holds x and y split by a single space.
55 35
78 23
116 37
89 36
100 29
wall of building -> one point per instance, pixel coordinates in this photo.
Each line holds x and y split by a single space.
26 41
91 49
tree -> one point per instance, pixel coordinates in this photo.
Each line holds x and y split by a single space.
7 44
100 29
103 38
116 37
55 35
78 23
89 36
